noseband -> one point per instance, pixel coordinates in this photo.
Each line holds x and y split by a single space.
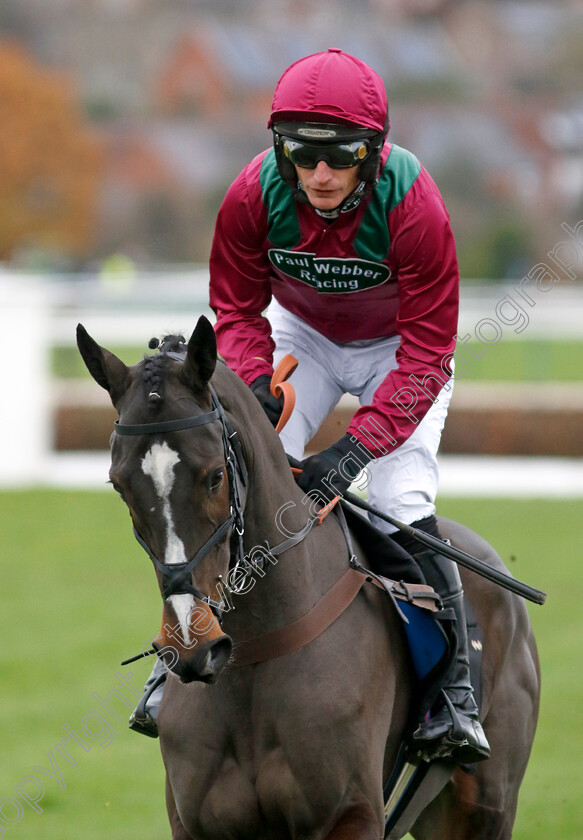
176 577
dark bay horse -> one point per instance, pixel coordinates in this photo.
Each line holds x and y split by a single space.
295 746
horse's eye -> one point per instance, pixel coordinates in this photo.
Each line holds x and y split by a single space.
118 490
215 479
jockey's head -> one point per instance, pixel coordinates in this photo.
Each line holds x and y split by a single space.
330 107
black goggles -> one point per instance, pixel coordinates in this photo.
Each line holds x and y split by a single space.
336 155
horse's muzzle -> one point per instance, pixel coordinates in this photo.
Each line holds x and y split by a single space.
205 663
194 647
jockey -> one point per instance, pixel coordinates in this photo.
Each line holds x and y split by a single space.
335 246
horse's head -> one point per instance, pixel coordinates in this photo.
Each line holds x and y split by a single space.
172 465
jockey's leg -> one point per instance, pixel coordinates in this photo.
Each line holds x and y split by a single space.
404 484
144 718
453 727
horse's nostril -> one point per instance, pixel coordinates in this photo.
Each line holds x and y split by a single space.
207 662
221 651
216 657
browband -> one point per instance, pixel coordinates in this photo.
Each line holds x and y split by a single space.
166 425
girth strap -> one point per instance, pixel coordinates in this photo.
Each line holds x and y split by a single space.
303 631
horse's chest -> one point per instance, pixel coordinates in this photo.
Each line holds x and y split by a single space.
252 803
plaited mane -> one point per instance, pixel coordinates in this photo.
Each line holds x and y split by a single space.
154 370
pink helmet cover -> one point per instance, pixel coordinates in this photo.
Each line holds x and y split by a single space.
331 86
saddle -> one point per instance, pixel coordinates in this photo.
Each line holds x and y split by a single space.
426 625
388 560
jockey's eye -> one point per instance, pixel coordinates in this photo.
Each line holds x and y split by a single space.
215 479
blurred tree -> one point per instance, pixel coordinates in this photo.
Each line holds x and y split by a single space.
49 162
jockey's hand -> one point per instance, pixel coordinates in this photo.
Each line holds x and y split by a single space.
334 469
272 406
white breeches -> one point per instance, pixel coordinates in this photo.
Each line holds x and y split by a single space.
404 482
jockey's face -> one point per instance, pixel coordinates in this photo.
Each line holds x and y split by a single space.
325 187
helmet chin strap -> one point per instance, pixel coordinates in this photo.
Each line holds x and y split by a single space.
347 204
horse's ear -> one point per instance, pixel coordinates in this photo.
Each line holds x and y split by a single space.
201 357
107 370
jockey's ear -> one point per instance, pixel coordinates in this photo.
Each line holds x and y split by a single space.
201 356
107 370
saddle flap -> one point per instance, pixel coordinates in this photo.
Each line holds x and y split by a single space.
427 640
419 608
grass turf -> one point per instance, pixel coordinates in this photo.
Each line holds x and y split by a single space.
78 596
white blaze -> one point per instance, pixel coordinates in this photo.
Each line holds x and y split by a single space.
158 464
183 604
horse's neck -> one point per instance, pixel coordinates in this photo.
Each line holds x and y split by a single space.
274 511
287 586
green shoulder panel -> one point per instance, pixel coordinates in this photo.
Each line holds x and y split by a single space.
282 218
398 176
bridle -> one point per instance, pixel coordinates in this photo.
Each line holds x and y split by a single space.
176 577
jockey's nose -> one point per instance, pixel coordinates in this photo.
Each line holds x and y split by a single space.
323 172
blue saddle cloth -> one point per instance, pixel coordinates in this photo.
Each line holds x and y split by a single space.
432 651
428 643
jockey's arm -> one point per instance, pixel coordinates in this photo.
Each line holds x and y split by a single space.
428 277
240 289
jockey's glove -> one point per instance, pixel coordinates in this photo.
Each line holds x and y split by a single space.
333 470
272 406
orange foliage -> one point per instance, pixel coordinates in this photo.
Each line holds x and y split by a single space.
49 161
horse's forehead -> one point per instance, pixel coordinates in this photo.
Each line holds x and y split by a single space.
158 463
